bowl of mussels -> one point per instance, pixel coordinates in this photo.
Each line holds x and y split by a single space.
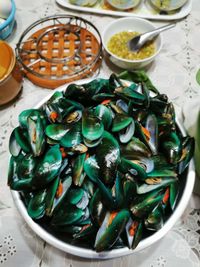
101 168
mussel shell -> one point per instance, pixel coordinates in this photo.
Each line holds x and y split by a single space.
37 205
92 143
66 184
146 203
48 167
79 149
86 231
108 157
22 139
125 135
50 196
67 214
73 116
155 220
162 173
134 230
89 187
173 195
172 148
155 183
108 234
55 98
34 113
73 137
122 105
92 168
26 167
53 113
14 147
97 209
78 175
36 135
14 181
92 126
188 145
129 188
104 114
130 93
83 203
68 105
133 168
135 148
118 190
120 122
56 131
152 126
114 81
75 195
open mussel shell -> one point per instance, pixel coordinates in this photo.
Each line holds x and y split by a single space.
134 168
57 193
152 127
146 203
152 184
36 135
187 153
78 174
120 122
126 134
111 228
155 219
133 231
34 113
14 147
123 5
166 5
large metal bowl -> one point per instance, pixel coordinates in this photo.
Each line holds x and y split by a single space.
186 188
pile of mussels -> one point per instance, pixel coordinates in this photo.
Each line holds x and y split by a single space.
100 162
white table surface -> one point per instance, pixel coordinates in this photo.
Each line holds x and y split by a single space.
173 73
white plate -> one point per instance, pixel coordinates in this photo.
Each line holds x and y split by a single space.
143 10
88 253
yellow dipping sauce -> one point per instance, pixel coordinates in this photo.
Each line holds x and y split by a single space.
118 46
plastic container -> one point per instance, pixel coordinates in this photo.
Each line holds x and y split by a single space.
6 27
10 74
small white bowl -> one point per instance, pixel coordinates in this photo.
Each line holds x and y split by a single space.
130 24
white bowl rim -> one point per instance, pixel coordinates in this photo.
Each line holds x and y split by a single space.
89 253
129 60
